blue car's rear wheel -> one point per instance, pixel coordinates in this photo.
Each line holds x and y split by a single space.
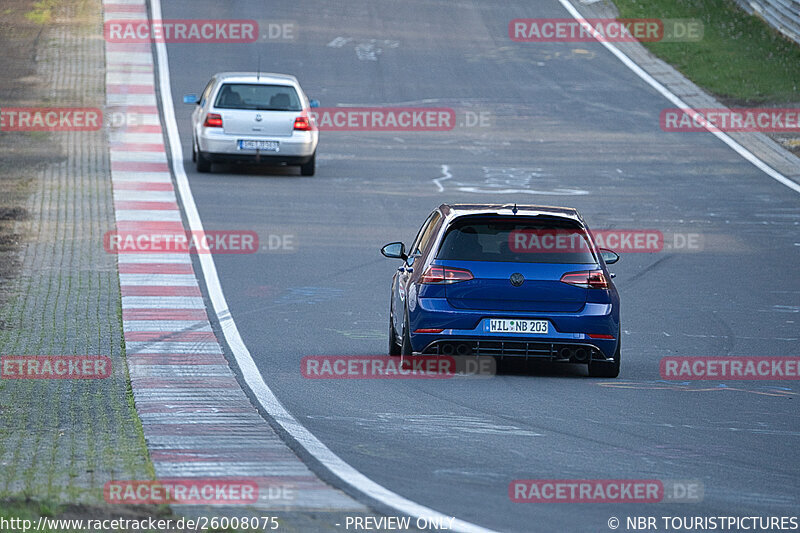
607 369
406 347
394 348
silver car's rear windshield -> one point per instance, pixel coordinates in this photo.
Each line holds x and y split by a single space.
516 240
258 97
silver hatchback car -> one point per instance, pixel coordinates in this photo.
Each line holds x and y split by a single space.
253 117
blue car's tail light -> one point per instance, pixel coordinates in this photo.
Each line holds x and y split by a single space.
589 279
445 275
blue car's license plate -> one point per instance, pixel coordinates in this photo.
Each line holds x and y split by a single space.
503 325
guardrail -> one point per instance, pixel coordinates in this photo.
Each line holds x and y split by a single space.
783 15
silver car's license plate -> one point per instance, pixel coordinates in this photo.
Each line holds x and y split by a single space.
264 146
500 325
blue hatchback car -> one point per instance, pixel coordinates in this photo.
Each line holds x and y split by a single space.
508 281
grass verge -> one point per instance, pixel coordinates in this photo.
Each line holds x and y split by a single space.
741 59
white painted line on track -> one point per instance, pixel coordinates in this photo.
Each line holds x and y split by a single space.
166 325
163 302
144 196
154 258
134 138
117 154
130 99
129 58
335 464
194 348
446 175
162 215
123 15
164 280
669 95
128 78
154 177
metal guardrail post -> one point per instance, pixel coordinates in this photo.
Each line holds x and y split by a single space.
783 15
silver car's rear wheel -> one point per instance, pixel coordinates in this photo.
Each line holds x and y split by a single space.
307 169
202 164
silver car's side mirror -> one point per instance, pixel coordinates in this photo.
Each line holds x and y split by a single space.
313 103
190 99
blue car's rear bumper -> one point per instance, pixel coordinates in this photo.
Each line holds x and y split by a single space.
464 329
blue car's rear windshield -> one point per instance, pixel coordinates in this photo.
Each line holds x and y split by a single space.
518 240
258 97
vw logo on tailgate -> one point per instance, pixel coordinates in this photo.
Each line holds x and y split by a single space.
517 279
258 117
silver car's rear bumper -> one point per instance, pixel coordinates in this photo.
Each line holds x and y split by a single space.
213 141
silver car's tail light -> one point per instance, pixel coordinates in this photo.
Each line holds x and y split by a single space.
302 124
213 120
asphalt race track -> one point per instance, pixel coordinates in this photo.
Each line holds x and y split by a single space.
565 124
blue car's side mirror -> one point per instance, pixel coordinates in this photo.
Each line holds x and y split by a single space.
394 250
313 103
190 99
608 256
